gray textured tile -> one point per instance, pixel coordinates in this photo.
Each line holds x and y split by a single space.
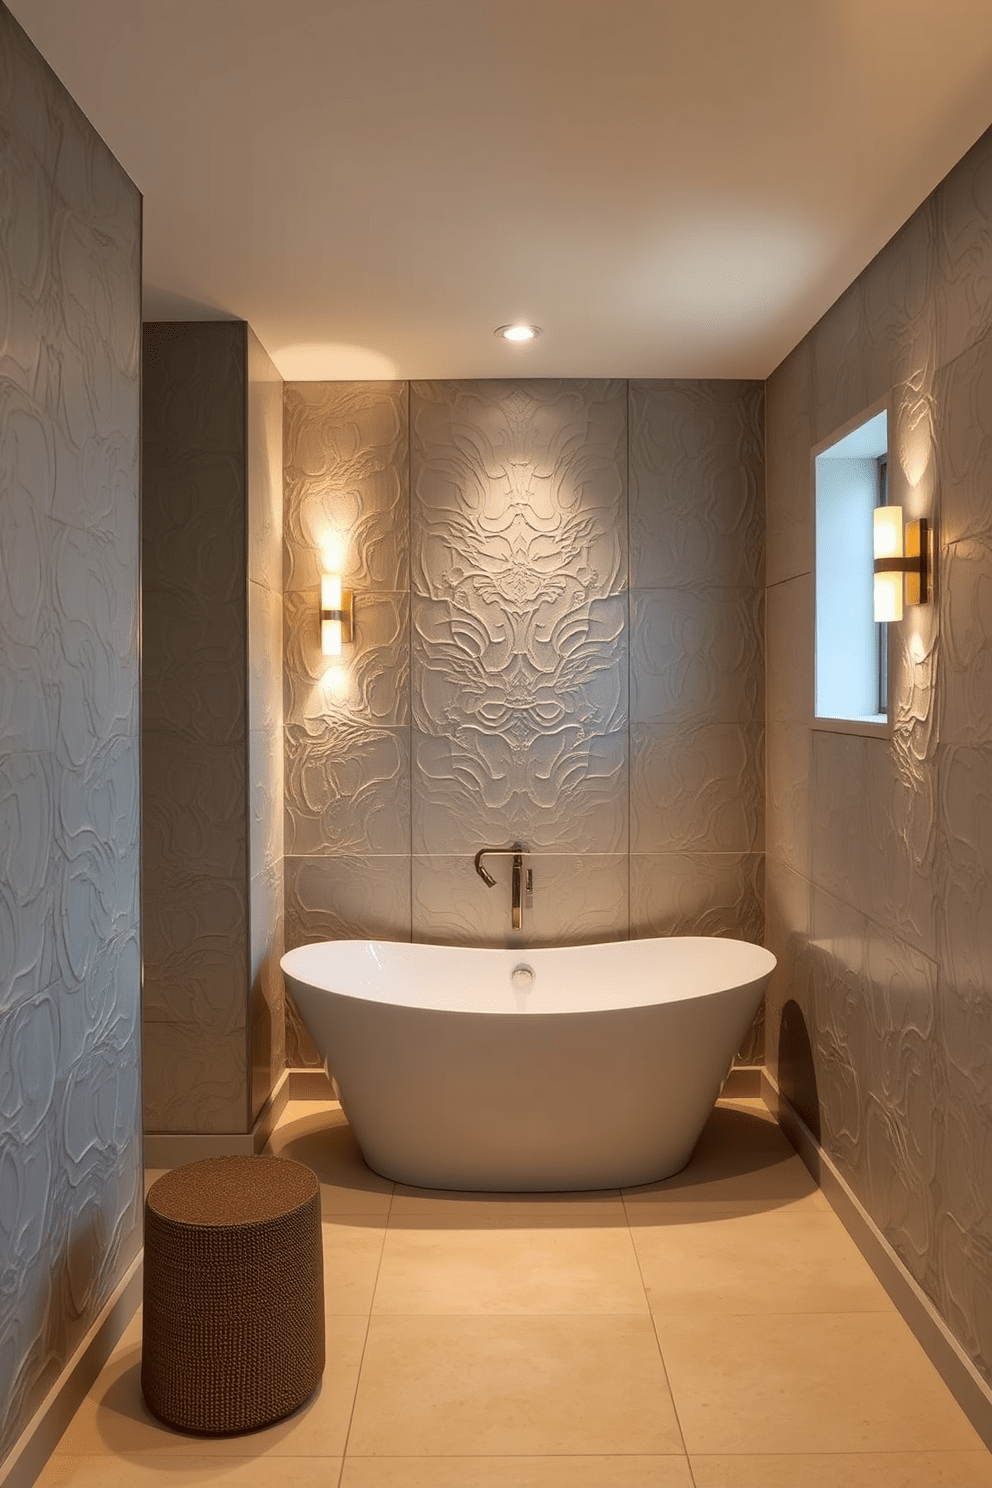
577 900
789 650
346 897
697 894
696 788
696 484
346 479
696 653
564 790
347 788
517 484
789 503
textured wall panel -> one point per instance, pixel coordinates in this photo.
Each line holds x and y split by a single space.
876 1013
565 790
213 711
265 1011
70 1149
696 653
893 840
347 788
788 468
963 210
346 452
696 788
577 900
697 894
696 484
345 897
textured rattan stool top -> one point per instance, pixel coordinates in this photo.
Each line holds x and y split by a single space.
232 1191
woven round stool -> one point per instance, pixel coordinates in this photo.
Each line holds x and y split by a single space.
233 1328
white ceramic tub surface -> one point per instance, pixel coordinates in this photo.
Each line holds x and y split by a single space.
577 1067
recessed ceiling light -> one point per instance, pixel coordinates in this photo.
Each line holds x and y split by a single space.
518 332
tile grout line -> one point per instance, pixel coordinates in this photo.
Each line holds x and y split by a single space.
657 1339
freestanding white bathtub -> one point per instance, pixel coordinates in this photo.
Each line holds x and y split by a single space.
568 1068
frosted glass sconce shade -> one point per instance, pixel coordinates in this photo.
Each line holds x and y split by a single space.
902 569
337 606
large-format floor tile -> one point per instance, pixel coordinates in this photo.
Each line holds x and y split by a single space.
760 1261
352 1246
516 1472
808 1382
321 1138
194 1471
843 1470
740 1159
509 1268
508 1386
428 1206
114 1418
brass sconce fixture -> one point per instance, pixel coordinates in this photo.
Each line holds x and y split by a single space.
337 615
902 562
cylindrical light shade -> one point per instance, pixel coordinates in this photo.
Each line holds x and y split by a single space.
330 599
888 595
330 637
330 591
887 534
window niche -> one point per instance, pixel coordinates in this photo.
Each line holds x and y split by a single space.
851 672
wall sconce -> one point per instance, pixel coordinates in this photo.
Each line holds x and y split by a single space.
337 614
902 562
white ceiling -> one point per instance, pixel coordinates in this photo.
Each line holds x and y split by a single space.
670 188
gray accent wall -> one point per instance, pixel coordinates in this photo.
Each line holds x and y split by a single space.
70 1120
559 593
879 886
212 723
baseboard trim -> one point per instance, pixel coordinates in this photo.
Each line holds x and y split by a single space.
36 1443
743 1083
958 1372
310 1085
173 1149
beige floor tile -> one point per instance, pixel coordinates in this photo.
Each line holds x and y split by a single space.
189 1472
509 1269
807 1382
114 1418
422 1206
741 1158
352 1245
508 1386
765 1261
321 1138
516 1472
841 1470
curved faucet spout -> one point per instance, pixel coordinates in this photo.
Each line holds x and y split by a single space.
516 852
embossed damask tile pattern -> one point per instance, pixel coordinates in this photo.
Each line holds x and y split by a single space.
696 484
70 1151
577 900
519 638
345 453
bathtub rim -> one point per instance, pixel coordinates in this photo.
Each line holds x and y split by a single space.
763 963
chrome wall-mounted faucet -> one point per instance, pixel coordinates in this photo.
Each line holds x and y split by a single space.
516 852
